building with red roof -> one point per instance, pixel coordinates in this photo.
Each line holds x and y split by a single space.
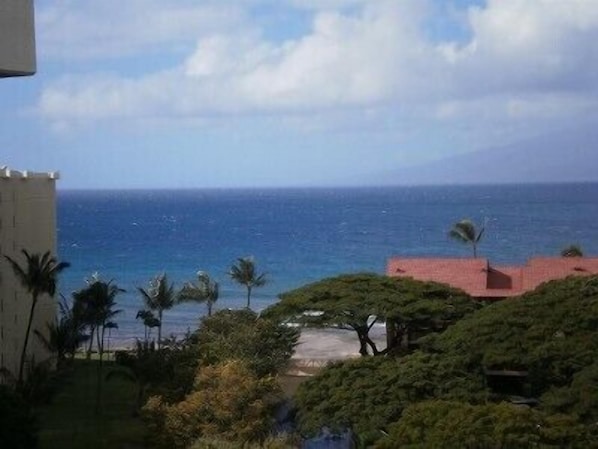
484 281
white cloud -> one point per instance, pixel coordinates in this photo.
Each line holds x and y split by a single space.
112 29
345 60
524 58
522 45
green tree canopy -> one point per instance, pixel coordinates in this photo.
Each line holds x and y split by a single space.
263 344
550 332
370 393
450 424
229 401
358 301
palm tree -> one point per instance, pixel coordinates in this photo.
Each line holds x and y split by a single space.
244 274
64 335
159 297
94 305
572 251
38 276
465 232
206 290
149 322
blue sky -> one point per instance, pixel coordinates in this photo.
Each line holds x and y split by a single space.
212 93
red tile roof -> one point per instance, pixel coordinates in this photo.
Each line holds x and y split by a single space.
482 280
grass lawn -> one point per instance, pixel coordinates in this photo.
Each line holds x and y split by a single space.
70 421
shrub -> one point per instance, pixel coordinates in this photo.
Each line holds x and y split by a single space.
264 345
434 424
228 402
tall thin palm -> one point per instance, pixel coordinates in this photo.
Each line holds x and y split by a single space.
160 296
38 276
104 300
244 273
465 231
206 290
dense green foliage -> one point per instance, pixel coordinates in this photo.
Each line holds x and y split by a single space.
228 401
265 345
369 393
358 301
445 424
234 356
18 425
580 397
168 372
550 333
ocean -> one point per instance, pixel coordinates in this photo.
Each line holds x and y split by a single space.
298 236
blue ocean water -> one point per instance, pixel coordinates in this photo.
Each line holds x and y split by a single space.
301 235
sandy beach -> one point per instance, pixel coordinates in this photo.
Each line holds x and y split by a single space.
323 345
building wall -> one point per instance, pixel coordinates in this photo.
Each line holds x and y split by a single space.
27 221
17 38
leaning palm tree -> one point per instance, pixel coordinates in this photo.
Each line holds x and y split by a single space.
206 290
572 251
160 296
38 276
244 274
465 231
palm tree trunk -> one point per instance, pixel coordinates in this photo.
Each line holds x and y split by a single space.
24 350
159 328
248 297
209 308
98 342
100 376
88 356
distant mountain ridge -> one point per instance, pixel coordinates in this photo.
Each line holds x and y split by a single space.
563 157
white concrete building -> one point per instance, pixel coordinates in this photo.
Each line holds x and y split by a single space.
27 221
27 204
17 38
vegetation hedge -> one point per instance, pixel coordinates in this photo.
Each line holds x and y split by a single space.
449 424
551 333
